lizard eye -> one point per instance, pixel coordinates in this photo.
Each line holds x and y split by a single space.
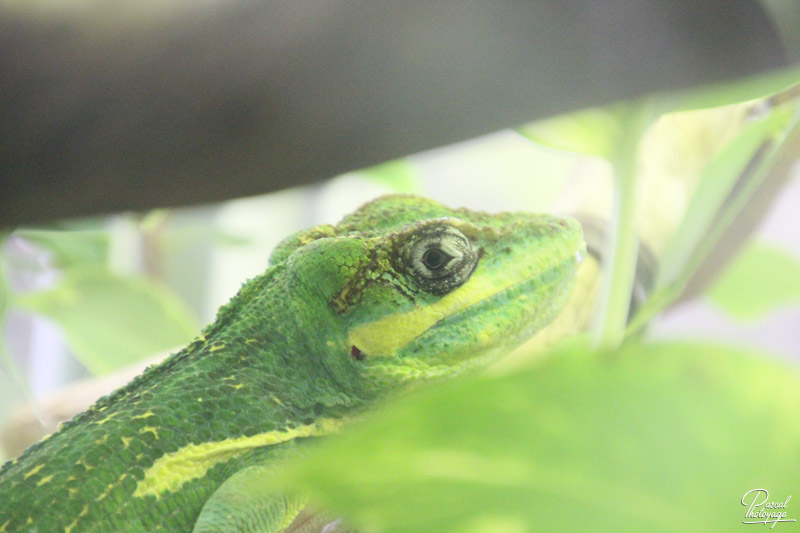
439 257
435 258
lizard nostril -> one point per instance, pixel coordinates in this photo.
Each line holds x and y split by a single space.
357 354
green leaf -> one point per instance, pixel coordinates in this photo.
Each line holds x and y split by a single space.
719 184
70 248
732 92
111 321
621 248
762 279
591 131
398 174
656 437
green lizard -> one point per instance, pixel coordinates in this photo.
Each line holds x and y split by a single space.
404 290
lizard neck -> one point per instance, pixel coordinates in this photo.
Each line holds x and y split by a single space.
257 382
266 346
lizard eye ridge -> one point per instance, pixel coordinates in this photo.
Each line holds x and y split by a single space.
439 258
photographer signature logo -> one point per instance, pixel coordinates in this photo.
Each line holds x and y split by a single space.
762 511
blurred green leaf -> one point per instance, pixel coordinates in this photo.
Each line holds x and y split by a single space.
398 174
762 279
656 437
111 321
177 240
154 220
596 131
70 248
732 92
722 177
591 131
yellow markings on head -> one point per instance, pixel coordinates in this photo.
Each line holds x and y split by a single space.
45 479
102 439
106 419
148 414
391 332
150 429
172 470
4 526
216 348
126 441
34 470
82 462
72 525
110 487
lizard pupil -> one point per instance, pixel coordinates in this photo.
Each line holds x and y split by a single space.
434 258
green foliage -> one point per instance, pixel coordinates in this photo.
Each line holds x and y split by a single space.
722 181
71 248
731 92
110 321
398 174
762 279
591 132
655 437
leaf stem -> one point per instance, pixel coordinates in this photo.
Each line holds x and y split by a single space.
622 245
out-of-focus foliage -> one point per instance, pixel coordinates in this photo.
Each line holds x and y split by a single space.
70 248
111 321
718 185
108 320
731 92
762 279
398 175
656 437
590 132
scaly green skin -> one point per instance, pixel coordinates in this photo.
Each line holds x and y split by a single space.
345 314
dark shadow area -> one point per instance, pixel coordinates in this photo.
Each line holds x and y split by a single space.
109 109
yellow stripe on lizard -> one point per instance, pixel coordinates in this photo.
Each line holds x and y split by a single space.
169 472
383 337
34 470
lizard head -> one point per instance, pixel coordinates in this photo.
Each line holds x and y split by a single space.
418 290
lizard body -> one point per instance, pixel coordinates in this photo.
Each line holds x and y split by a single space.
404 290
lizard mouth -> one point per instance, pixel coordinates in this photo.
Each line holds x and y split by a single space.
527 305
453 345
